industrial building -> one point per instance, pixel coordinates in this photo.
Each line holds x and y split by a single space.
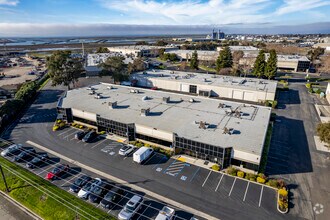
209 85
210 129
294 63
245 49
140 50
94 60
204 55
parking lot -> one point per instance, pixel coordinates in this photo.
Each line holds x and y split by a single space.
185 177
149 208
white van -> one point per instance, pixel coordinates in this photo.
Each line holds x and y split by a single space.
142 154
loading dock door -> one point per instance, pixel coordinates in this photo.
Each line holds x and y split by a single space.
249 96
237 94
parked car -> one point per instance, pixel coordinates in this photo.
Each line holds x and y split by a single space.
131 207
99 192
126 150
80 135
89 136
112 198
12 150
37 160
79 183
25 156
88 188
57 172
166 213
142 154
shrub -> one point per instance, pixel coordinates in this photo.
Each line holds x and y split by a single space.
261 180
139 144
81 126
148 145
253 179
262 175
232 171
283 192
215 167
248 176
280 183
73 124
58 121
283 205
240 174
272 183
274 104
55 128
308 85
102 132
62 124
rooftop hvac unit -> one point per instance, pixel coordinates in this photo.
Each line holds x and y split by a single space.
144 98
145 111
112 105
166 99
134 91
109 87
202 125
191 100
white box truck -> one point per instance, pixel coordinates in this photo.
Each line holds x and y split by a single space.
142 154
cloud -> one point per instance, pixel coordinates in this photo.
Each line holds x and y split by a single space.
9 2
291 6
190 12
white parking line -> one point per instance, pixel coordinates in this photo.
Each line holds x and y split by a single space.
73 176
262 189
114 204
143 211
246 191
149 158
232 187
98 143
70 129
69 135
207 178
219 183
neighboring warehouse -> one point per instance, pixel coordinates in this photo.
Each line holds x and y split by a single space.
294 63
210 129
209 85
204 55
245 49
93 60
140 50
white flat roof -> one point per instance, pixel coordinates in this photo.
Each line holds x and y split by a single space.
94 59
178 116
199 52
139 47
210 79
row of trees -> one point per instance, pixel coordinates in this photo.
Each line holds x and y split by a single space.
262 68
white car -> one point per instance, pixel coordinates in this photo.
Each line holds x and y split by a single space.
166 213
126 150
11 150
88 188
131 207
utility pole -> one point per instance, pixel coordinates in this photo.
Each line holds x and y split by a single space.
4 179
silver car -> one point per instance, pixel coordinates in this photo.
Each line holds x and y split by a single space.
12 150
131 207
126 150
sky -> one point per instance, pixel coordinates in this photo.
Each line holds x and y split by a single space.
103 17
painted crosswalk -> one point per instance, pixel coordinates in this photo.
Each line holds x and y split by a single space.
175 168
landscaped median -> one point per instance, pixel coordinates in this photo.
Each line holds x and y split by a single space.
44 198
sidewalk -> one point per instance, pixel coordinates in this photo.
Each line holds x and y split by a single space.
194 161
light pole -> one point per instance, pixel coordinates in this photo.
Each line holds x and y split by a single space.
4 179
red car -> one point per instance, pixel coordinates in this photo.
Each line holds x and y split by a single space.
154 88
57 172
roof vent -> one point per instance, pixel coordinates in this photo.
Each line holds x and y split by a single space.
109 87
238 114
227 130
145 111
98 96
144 98
134 91
166 99
112 105
191 100
222 105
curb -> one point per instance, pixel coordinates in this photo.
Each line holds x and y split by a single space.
120 181
21 207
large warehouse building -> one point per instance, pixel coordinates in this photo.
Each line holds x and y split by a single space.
140 50
204 55
248 89
214 130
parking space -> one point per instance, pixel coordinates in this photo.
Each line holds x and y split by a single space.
149 209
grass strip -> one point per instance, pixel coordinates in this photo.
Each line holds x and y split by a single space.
44 198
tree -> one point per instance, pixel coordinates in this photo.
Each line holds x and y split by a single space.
224 60
325 64
161 43
237 55
194 60
323 131
259 65
63 69
271 66
102 50
315 53
142 43
137 65
115 67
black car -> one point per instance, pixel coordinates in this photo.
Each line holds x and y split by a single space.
111 198
89 136
80 182
37 160
26 155
98 192
80 135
